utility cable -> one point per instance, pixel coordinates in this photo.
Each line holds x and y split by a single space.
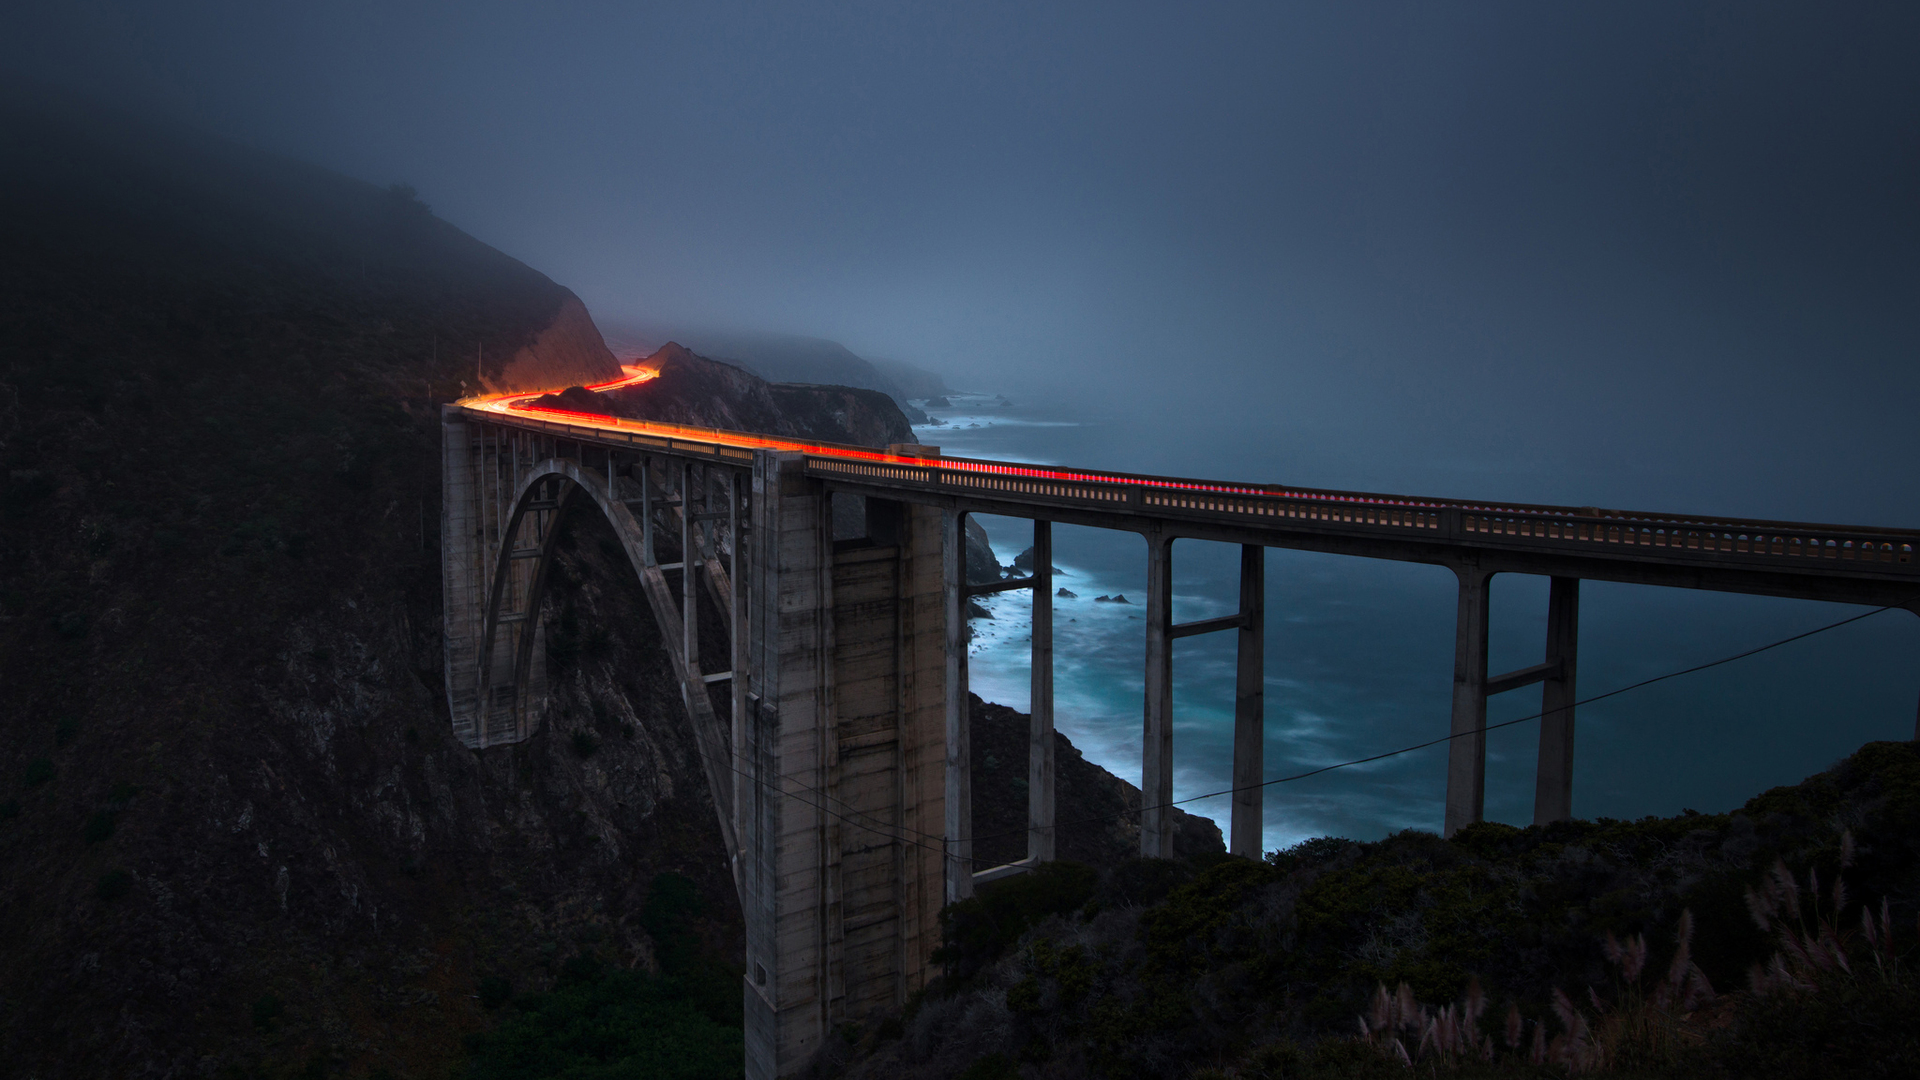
942 847
1482 730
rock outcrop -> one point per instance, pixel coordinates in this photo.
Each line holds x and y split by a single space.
868 417
1099 813
791 358
983 566
692 389
237 836
568 350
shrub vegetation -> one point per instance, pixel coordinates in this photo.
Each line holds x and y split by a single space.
683 1023
1778 940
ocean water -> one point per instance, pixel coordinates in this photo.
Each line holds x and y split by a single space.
1359 661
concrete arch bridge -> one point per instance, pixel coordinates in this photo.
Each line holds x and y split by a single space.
833 727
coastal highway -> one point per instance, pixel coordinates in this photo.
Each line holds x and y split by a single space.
1848 563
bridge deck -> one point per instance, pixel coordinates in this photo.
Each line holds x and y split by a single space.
1850 563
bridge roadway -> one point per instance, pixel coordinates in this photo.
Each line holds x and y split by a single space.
841 646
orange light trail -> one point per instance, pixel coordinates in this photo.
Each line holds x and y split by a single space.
521 403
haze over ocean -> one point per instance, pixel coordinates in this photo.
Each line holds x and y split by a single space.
1360 653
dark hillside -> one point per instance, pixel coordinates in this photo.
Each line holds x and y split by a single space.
1098 813
773 357
235 834
1642 948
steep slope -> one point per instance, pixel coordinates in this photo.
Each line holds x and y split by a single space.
567 349
1616 948
790 358
235 833
1098 813
692 389
773 357
236 836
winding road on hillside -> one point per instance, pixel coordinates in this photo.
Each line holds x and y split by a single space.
1756 549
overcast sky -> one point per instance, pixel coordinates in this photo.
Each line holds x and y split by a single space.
1654 255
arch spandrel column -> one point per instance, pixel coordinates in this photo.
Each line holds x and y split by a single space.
712 737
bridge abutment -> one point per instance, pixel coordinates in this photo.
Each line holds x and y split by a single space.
847 703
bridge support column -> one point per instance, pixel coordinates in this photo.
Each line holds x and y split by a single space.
1040 820
841 763
783 878
739 649
1553 781
462 587
1156 758
1467 752
959 796
1247 831
689 577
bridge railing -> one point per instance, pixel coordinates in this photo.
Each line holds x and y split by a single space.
1582 530
1800 546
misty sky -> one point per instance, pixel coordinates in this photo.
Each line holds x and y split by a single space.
1656 255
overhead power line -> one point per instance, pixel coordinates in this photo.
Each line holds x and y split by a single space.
941 847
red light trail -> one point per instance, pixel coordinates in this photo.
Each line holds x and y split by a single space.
522 403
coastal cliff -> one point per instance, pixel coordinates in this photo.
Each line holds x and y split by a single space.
237 837
1098 812
691 389
789 358
568 349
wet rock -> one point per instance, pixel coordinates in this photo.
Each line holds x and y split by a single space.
576 399
1024 561
1098 811
983 568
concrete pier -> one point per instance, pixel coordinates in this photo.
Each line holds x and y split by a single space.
958 838
1247 829
1553 780
1467 752
1156 758
1040 767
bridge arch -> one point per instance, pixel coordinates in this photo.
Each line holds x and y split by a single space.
509 635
